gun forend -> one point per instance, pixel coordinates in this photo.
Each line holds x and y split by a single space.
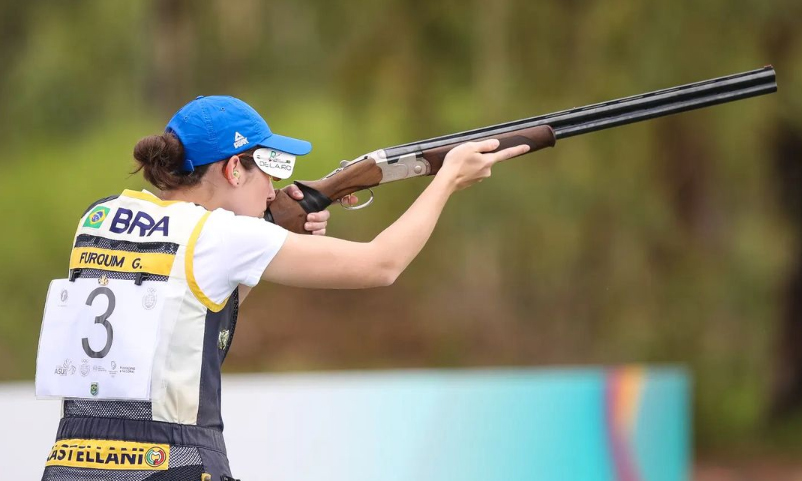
538 137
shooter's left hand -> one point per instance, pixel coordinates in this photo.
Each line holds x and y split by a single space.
316 222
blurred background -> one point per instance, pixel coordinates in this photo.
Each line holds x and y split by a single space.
676 241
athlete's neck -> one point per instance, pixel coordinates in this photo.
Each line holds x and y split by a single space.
203 195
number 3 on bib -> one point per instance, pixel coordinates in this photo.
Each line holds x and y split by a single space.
101 319
99 342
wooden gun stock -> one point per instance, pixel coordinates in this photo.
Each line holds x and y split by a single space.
319 194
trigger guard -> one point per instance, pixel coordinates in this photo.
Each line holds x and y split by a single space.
362 205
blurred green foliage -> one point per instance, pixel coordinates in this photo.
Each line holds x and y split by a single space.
663 242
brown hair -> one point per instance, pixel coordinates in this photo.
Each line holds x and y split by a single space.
161 159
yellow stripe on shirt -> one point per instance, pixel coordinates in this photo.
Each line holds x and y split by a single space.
190 269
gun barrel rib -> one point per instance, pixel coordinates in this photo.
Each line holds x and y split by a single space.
599 116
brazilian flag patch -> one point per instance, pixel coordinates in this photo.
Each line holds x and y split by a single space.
96 217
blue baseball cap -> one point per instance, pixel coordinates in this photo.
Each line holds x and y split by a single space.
216 127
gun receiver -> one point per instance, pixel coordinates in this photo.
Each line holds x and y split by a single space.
425 157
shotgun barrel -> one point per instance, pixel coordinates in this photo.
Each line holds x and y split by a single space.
627 110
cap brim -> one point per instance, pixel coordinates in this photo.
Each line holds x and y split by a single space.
287 144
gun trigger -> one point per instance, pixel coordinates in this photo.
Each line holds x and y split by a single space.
360 206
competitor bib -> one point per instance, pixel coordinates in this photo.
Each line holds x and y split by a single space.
99 338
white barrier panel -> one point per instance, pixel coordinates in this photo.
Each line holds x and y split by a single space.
510 424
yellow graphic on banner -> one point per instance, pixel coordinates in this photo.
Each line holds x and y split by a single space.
101 454
121 261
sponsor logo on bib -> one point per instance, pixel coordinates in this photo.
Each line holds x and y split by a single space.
155 456
65 368
149 300
102 454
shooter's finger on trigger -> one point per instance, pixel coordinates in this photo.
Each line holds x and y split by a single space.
349 199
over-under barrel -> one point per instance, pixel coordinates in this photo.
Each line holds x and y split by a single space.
582 120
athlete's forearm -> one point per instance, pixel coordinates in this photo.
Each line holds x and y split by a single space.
403 240
328 262
334 263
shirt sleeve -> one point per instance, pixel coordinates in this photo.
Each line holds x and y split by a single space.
232 250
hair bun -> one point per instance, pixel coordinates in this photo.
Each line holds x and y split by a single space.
160 159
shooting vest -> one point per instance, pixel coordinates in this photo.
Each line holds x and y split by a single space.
141 247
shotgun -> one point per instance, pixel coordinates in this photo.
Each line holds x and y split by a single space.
425 157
